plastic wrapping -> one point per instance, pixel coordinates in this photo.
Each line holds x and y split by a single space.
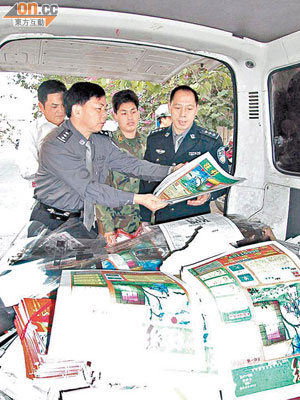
254 231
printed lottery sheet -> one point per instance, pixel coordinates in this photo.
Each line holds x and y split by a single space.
130 325
199 176
256 291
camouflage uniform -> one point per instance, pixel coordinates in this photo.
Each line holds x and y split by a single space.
126 217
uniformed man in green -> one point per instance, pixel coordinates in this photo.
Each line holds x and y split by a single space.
127 138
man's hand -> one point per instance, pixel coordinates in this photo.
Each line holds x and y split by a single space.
199 200
176 167
144 224
144 227
150 201
110 238
268 233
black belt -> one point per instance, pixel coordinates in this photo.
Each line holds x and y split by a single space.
59 214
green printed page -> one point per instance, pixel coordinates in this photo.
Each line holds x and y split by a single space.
266 376
229 296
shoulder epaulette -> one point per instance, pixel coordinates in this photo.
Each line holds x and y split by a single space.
211 134
64 135
157 130
106 133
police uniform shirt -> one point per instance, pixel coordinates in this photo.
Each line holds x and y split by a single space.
63 181
160 150
177 139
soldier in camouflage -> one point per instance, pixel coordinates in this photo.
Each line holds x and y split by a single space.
125 112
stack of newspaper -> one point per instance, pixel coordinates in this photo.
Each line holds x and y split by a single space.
132 326
33 323
252 298
232 319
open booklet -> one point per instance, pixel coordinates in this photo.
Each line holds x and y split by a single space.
255 291
199 176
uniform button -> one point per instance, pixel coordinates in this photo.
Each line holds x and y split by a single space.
173 163
157 159
172 209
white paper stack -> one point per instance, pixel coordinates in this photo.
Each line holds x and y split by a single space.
132 326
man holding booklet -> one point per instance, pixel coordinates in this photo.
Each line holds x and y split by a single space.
182 142
74 164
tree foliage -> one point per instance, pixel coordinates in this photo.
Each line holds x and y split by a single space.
214 88
7 131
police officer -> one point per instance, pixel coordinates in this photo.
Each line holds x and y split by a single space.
163 117
126 114
74 163
182 142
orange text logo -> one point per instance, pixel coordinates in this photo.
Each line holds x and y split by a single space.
31 14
